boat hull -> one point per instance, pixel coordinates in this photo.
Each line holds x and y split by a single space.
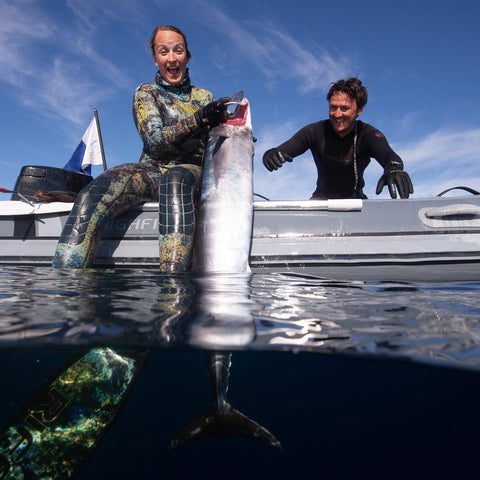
431 240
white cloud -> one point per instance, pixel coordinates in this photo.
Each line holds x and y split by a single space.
444 147
67 83
21 28
440 160
443 159
74 76
296 180
273 51
410 121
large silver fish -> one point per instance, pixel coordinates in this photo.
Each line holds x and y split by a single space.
225 213
222 245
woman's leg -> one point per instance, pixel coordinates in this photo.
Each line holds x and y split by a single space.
110 194
178 192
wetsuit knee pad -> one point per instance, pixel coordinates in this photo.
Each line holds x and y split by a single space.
176 201
178 181
91 197
78 220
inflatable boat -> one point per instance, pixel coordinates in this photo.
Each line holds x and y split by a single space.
425 239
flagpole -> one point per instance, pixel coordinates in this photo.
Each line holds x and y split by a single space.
100 139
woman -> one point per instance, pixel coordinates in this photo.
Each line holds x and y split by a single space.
172 118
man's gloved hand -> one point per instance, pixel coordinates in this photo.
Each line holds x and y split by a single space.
212 114
396 178
274 159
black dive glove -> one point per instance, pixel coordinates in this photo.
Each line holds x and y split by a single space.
398 179
274 158
212 114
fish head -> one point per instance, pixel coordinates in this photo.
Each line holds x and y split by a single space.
241 115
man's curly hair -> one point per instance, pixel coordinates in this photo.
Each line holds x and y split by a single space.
353 88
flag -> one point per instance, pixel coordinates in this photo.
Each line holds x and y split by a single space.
88 152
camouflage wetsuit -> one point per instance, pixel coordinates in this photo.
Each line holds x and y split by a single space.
169 172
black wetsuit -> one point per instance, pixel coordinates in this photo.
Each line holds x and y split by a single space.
340 172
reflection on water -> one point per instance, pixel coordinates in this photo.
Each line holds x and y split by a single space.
42 306
337 403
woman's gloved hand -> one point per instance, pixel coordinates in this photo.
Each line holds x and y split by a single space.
212 114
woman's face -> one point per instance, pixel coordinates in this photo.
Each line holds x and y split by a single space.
170 56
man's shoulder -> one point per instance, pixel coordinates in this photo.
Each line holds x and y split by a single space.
365 126
366 129
319 124
315 127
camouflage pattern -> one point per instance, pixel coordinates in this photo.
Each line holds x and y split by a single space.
164 119
60 426
169 172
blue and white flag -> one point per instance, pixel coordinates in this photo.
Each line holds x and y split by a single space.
88 152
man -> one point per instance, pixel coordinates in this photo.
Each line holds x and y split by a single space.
342 147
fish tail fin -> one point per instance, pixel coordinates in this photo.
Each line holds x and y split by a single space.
225 422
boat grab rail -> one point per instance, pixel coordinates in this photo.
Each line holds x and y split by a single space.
455 215
335 205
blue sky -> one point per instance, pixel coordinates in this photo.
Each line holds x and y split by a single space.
418 59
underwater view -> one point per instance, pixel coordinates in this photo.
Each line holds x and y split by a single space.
140 374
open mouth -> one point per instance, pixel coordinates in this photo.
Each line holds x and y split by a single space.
173 72
239 116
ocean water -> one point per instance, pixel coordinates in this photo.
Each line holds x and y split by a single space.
364 379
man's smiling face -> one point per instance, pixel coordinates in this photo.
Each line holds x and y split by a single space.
343 112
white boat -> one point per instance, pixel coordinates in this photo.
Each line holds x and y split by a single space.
433 239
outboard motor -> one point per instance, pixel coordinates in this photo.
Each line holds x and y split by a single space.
33 179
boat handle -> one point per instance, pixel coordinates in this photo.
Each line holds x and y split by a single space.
469 212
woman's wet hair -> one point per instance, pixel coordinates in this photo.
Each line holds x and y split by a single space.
169 28
353 88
